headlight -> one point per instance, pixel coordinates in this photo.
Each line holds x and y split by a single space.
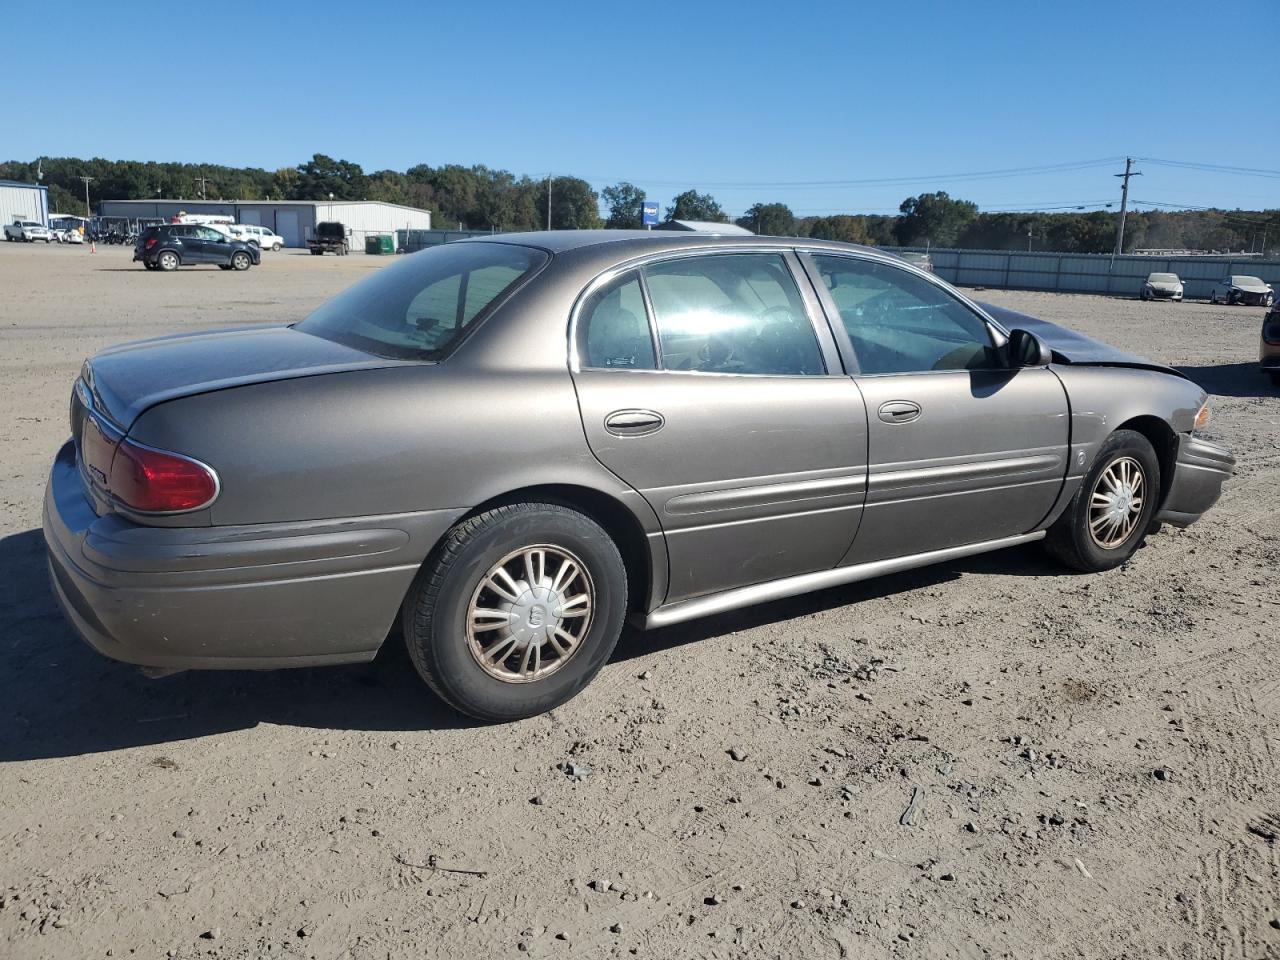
1202 417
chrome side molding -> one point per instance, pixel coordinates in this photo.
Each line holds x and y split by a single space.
805 583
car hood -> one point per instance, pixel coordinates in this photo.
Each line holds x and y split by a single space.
1251 287
126 380
1071 347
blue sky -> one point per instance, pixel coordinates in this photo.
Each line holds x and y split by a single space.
712 95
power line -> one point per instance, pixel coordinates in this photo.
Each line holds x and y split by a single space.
867 182
1213 167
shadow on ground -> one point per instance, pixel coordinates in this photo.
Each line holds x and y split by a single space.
60 698
1233 380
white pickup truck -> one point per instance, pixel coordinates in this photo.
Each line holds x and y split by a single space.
28 231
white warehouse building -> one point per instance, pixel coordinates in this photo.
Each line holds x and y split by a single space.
23 201
294 220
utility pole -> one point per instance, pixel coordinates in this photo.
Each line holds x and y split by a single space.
203 181
1124 202
87 180
548 201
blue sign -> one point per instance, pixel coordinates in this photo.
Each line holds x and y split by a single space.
649 213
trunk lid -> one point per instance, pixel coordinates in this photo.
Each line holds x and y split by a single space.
124 381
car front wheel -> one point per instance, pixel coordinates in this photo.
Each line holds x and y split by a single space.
1109 516
516 611
241 261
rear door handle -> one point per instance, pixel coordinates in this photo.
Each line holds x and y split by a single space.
634 423
899 411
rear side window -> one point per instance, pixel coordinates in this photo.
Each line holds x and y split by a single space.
899 322
419 308
732 313
615 327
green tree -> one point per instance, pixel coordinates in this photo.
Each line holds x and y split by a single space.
321 176
840 227
625 202
574 205
62 200
769 219
934 218
692 205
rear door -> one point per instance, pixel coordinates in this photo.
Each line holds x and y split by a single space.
705 384
961 448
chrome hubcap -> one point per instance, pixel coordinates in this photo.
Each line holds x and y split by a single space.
530 613
1115 506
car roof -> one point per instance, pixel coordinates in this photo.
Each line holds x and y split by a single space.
623 244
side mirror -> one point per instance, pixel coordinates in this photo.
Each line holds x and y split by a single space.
1027 350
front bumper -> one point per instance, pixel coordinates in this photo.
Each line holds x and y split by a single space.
1201 469
237 597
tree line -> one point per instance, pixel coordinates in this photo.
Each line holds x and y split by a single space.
483 198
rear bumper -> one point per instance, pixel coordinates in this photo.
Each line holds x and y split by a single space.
1202 468
244 597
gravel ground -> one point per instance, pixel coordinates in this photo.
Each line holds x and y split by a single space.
985 758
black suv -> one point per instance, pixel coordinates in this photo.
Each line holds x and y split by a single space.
174 245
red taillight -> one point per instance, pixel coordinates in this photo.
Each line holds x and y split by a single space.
151 242
157 482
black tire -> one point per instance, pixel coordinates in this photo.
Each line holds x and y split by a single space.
224 266
276 247
241 260
148 265
434 614
1232 299
1069 539
168 261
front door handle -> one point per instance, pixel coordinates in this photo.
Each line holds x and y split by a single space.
899 411
634 423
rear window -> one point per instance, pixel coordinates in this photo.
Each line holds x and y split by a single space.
419 308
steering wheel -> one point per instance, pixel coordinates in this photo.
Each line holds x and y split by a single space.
716 353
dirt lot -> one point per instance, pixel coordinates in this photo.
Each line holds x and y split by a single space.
330 813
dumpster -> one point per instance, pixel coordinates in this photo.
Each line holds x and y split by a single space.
379 243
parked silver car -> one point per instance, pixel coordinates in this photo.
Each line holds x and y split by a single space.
1243 289
511 445
1161 286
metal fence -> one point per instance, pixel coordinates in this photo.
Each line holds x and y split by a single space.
1086 272
410 241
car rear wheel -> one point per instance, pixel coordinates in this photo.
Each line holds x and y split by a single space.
241 261
1111 513
516 611
167 261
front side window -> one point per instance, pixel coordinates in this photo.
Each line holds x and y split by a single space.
734 313
418 308
613 327
901 323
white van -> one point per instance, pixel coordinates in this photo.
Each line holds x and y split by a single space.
262 236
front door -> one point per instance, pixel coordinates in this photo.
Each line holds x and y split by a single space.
961 448
705 384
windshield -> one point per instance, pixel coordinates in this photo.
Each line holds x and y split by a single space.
419 308
1163 278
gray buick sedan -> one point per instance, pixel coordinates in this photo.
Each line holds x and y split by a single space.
510 446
